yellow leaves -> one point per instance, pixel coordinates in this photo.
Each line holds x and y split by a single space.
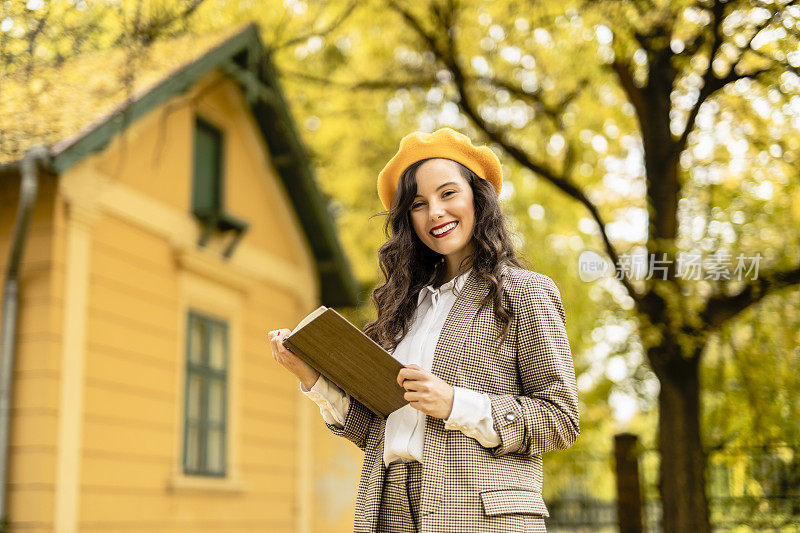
651 334
795 209
53 103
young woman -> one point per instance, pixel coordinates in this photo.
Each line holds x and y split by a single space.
488 367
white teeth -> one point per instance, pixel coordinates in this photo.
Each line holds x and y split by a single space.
444 229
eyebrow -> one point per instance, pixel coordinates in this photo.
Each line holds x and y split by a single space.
441 186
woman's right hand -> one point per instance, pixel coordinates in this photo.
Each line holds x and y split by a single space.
306 374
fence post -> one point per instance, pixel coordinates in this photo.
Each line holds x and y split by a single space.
629 496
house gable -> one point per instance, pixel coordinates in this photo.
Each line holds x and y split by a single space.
243 57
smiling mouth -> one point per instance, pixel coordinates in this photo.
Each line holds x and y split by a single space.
448 230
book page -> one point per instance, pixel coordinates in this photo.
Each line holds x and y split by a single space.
311 316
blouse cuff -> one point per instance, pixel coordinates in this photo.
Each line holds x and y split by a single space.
472 415
333 402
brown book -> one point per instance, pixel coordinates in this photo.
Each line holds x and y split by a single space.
345 355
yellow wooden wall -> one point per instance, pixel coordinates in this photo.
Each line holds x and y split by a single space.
336 468
34 400
111 271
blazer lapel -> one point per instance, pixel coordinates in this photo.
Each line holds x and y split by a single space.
446 357
457 326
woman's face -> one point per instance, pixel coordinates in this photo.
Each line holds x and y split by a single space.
444 197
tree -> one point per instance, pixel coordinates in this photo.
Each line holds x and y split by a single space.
684 69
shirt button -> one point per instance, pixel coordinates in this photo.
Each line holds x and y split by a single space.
510 416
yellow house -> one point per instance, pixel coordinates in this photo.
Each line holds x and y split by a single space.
156 231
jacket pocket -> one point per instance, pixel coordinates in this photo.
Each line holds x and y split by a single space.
510 501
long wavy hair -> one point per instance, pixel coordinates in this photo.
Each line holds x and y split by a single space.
408 265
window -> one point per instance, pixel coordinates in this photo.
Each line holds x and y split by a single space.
206 396
207 183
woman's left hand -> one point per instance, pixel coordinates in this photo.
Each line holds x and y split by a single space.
426 392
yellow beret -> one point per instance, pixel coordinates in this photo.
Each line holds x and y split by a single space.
444 143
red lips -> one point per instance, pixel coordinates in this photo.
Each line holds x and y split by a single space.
443 225
448 232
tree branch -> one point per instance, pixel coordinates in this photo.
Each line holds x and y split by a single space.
722 308
634 93
147 31
774 61
552 111
709 79
348 10
380 83
711 83
415 25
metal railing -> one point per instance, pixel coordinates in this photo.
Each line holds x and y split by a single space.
753 488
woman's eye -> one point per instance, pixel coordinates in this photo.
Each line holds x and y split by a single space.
414 206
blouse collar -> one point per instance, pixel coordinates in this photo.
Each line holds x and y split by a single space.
454 284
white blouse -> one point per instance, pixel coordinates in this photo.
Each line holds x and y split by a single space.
405 427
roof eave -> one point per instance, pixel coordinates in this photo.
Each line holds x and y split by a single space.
337 284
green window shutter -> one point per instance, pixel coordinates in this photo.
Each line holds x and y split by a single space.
207 172
205 420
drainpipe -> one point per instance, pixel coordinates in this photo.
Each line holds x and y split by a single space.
27 199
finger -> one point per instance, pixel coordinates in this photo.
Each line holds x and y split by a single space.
411 373
276 346
412 396
279 341
286 351
417 367
418 406
411 385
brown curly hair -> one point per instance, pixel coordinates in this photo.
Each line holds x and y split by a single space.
408 265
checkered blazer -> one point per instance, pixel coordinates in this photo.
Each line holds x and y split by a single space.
531 382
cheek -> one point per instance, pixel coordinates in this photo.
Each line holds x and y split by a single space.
470 232
469 224
419 229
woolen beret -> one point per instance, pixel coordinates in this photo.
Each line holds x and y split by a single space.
444 143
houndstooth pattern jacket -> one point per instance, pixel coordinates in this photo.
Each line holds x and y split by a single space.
530 379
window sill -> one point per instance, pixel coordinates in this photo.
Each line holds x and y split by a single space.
184 483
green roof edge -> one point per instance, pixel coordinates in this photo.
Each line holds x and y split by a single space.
338 287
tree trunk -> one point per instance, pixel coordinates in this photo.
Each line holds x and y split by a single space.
682 479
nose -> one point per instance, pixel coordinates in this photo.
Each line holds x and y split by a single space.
437 210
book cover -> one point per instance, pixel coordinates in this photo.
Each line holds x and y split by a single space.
341 352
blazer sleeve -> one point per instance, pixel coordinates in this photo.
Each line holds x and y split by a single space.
545 417
357 422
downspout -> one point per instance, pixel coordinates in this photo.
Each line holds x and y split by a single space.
27 198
